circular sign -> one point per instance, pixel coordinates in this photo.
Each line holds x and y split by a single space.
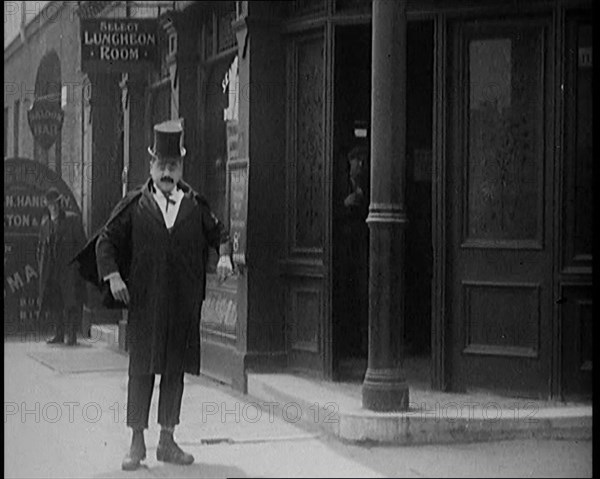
45 120
25 183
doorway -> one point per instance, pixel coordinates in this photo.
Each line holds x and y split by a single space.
351 184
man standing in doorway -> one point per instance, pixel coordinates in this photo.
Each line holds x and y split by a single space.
152 253
357 244
62 293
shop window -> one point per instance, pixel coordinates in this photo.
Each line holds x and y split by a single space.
216 140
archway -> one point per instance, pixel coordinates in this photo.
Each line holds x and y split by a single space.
48 87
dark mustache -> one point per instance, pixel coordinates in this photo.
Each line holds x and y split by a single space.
167 179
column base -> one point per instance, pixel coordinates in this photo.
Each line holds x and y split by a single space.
385 390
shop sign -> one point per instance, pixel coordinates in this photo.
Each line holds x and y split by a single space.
109 44
25 184
45 119
238 207
219 308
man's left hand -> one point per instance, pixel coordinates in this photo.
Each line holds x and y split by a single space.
224 268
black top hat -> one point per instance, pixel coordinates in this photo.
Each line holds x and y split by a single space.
168 140
52 195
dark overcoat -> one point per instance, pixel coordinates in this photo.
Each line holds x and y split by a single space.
54 253
165 273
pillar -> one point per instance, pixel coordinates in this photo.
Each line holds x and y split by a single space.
385 387
261 140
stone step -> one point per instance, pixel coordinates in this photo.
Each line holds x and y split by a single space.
433 418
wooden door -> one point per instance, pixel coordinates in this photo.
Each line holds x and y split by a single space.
500 170
304 267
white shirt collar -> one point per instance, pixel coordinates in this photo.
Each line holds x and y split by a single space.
176 193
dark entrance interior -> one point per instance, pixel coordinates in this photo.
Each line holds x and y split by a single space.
352 112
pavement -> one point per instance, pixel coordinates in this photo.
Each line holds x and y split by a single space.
434 417
70 422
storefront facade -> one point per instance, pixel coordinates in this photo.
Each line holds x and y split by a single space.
498 101
476 119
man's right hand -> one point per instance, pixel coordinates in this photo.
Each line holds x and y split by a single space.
118 288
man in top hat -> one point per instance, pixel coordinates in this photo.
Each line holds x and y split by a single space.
152 253
61 291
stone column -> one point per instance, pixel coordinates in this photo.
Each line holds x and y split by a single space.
385 387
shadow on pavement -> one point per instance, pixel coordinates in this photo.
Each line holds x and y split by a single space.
197 471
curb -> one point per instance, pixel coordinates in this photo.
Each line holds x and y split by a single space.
352 424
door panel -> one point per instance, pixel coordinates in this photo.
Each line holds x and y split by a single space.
499 184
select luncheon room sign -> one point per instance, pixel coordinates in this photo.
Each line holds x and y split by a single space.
118 44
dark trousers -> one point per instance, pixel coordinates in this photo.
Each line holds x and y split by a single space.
139 397
60 316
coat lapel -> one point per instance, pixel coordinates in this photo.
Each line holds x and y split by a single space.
150 206
185 208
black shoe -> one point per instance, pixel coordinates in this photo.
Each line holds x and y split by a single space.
169 451
59 338
136 454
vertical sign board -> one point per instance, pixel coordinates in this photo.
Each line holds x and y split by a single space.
237 178
25 183
124 44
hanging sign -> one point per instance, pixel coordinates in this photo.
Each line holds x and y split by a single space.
109 44
45 119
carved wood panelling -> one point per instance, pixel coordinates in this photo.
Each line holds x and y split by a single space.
501 318
305 319
306 159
